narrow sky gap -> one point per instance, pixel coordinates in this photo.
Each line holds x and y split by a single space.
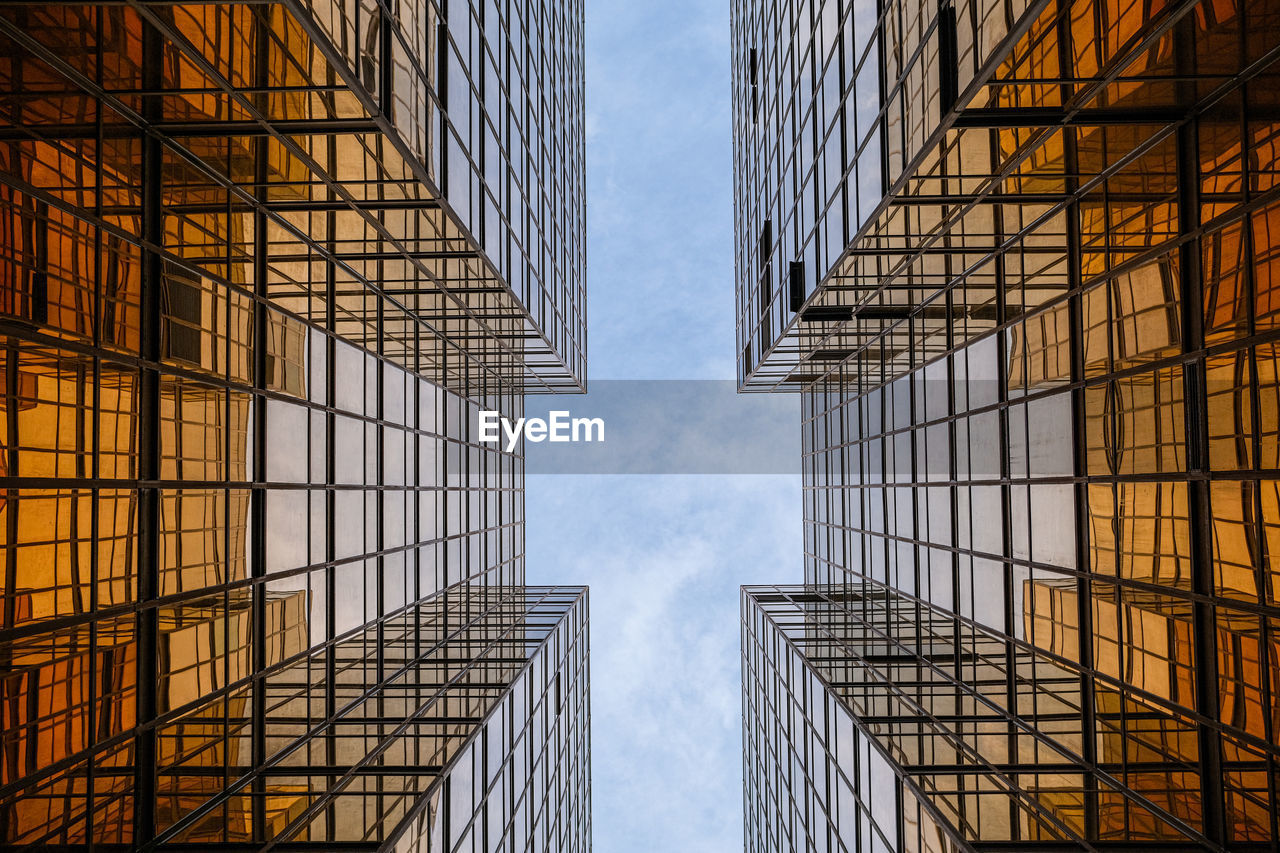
663 554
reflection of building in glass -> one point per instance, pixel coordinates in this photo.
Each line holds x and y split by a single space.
1021 263
260 266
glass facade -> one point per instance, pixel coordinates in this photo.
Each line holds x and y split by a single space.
1019 261
261 265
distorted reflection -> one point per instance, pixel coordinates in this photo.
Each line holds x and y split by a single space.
1039 380
261 584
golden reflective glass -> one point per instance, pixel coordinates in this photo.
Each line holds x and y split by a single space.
243 316
1095 274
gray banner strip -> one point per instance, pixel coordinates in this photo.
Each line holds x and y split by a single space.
663 427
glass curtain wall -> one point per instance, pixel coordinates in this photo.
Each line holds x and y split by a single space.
261 265
1038 372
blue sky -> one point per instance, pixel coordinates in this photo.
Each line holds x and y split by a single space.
664 554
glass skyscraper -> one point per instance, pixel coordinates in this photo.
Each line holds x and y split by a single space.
1022 262
261 265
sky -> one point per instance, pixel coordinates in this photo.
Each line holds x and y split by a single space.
664 554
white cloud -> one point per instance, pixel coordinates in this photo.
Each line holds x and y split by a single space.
660 202
664 556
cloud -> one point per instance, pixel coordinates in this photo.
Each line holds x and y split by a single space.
664 556
659 194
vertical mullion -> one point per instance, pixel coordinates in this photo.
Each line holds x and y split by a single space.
1079 461
1204 635
1079 433
1006 488
1266 632
258 495
330 478
379 475
95 465
152 286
